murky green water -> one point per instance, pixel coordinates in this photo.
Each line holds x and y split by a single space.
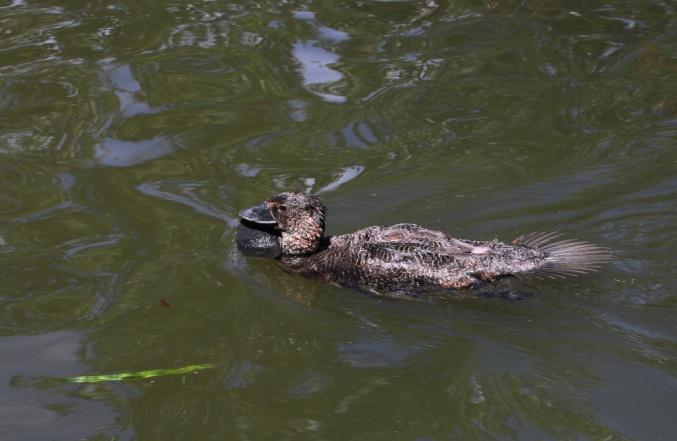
131 132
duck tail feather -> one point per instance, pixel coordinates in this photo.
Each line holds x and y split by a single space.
568 257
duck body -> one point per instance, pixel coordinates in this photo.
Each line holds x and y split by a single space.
408 258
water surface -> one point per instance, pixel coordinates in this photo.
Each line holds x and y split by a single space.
132 132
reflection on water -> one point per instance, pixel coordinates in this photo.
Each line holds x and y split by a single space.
186 197
115 153
315 60
131 133
346 175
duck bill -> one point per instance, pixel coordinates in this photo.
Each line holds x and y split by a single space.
258 214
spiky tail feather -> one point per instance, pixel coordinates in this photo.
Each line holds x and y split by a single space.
563 257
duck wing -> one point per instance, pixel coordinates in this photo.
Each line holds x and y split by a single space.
394 253
407 265
430 239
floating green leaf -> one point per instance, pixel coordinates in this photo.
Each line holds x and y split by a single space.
139 374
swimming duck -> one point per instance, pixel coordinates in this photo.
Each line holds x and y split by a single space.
402 258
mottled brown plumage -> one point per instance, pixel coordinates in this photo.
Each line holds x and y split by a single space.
407 258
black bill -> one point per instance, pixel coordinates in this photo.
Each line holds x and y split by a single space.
258 214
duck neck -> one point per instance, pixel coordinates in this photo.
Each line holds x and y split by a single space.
300 243
304 238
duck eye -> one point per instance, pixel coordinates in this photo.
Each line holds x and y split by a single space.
283 208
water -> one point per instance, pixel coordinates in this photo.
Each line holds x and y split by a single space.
131 133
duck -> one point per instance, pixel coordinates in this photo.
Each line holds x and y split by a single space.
401 259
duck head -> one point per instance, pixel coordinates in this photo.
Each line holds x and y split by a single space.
299 217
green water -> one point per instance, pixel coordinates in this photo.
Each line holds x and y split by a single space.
131 133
